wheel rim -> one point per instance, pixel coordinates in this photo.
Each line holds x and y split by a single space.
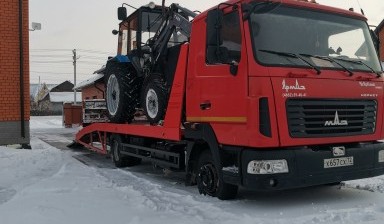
115 149
152 103
208 179
113 95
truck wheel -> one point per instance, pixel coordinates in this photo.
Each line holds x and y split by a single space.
118 159
122 94
154 98
208 180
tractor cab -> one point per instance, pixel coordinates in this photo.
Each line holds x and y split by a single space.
138 28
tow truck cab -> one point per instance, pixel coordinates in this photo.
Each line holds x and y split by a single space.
264 94
292 90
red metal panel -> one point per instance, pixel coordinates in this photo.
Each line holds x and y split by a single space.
298 4
170 130
175 103
316 88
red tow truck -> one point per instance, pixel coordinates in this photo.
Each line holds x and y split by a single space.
264 94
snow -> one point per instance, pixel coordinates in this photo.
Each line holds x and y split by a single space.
89 81
46 122
58 97
52 184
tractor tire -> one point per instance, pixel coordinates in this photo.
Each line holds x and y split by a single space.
118 159
154 98
122 93
209 181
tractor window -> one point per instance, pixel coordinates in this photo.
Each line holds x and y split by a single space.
177 38
229 47
151 22
124 42
133 26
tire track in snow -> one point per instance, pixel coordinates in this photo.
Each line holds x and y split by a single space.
6 194
153 195
161 196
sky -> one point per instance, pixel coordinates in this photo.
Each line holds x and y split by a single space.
86 26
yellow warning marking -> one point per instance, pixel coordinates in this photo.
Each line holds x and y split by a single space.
217 119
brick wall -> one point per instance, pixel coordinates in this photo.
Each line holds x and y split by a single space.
381 36
10 112
92 91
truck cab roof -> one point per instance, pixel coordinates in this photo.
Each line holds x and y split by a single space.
299 4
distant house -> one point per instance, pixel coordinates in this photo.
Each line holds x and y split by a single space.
37 90
49 101
94 87
380 33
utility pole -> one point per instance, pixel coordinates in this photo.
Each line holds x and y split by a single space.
74 74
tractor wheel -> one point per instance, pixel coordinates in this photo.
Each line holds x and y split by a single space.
122 94
118 159
209 181
154 98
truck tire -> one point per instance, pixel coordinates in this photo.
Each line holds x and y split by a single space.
208 180
122 94
118 159
154 98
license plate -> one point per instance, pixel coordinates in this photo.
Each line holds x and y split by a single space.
338 162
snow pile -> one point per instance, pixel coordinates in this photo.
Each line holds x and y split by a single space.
47 185
46 122
375 184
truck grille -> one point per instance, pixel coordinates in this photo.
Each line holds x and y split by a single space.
330 118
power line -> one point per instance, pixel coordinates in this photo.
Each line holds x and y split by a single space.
47 62
50 50
58 73
50 56
93 62
94 51
94 57
81 50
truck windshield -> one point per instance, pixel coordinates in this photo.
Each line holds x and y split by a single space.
326 40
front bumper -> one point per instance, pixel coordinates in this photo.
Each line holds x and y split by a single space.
306 166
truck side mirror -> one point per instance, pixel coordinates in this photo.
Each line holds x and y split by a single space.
214 39
121 13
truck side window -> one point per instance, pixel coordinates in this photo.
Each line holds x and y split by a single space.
229 46
231 35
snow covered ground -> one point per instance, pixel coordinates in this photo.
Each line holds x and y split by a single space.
49 184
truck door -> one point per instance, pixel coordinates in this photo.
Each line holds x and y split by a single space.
217 74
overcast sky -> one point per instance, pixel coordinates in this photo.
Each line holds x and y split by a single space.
86 25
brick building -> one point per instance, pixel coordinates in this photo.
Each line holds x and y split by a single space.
93 88
380 33
93 98
14 72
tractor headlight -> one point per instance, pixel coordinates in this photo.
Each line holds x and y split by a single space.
267 166
152 5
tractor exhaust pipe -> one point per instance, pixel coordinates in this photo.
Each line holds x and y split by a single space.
163 7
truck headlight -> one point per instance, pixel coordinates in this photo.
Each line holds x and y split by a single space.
381 156
267 166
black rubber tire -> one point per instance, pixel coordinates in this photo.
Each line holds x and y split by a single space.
128 96
209 181
117 158
154 107
333 184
